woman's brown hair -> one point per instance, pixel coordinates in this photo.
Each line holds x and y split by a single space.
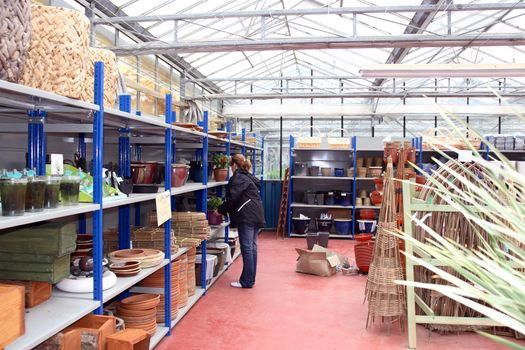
241 162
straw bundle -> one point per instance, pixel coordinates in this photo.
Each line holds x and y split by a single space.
385 297
57 56
110 75
15 31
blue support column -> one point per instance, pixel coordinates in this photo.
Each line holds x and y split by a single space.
354 185
262 171
290 190
36 145
243 139
173 159
98 159
202 196
167 224
138 157
420 159
82 152
124 170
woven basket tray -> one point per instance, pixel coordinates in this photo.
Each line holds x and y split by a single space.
57 56
15 31
110 75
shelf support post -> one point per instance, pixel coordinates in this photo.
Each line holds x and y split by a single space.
204 195
98 159
36 150
290 189
354 185
167 224
124 170
82 152
243 138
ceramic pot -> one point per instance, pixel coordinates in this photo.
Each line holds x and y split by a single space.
344 199
214 218
326 171
339 172
179 174
313 171
374 171
342 226
323 225
147 172
220 175
196 170
138 173
378 184
367 214
376 197
300 226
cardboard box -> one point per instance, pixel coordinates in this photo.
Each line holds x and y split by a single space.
319 261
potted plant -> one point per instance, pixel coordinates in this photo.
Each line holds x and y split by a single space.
213 204
220 166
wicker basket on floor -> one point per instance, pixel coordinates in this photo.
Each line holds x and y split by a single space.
57 56
15 31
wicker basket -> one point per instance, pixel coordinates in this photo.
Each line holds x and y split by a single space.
443 139
309 141
337 142
110 75
57 56
15 31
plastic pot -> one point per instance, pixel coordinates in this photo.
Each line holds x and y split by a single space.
326 171
367 214
300 226
309 197
342 226
312 239
364 237
329 198
299 169
363 255
313 171
367 226
69 190
378 184
179 174
324 225
52 195
323 238
196 170
344 199
214 218
35 193
319 198
339 172
13 193
220 175
376 197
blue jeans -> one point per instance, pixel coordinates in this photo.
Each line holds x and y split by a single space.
248 239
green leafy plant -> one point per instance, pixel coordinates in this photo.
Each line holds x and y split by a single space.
214 203
220 161
486 279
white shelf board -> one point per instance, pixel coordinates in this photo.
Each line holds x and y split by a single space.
186 131
127 118
303 205
132 198
33 96
367 207
322 177
191 302
123 283
189 187
212 184
46 214
157 337
49 318
365 178
323 149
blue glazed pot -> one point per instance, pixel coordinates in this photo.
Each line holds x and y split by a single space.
300 226
344 199
339 172
342 226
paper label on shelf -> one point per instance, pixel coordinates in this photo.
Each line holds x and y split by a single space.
57 164
465 156
163 204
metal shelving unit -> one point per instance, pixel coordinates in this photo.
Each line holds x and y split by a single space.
49 109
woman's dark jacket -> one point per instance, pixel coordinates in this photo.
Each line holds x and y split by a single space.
243 201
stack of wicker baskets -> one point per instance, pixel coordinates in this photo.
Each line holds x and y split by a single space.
191 225
15 31
191 270
142 237
182 263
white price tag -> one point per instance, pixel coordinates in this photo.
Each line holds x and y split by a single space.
465 156
57 164
163 204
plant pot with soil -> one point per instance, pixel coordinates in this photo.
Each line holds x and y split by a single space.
220 167
214 218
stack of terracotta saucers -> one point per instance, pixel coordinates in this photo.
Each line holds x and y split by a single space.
125 269
191 271
156 280
84 246
140 311
182 263
146 257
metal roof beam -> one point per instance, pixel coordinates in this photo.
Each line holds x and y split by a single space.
309 12
320 43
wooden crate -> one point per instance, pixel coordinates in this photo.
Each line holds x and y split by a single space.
100 326
43 272
35 292
12 312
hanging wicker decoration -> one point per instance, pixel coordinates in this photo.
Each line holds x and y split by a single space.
386 299
15 34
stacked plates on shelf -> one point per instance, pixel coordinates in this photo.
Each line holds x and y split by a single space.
146 257
182 263
191 271
140 312
126 268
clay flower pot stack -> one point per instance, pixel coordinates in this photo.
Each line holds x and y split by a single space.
191 271
182 264
140 312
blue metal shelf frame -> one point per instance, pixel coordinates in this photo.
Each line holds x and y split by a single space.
243 139
354 183
290 189
36 152
98 159
124 170
167 225
202 196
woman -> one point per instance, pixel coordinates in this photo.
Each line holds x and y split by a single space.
245 207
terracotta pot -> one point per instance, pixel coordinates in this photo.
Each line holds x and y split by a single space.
390 150
379 184
179 174
409 173
220 174
367 214
363 255
214 218
376 197
364 237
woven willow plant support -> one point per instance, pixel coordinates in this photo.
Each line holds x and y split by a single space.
57 56
386 299
15 34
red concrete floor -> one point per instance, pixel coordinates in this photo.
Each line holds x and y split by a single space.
288 310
